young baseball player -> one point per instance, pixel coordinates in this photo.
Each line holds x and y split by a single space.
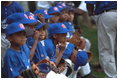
55 12
29 23
17 56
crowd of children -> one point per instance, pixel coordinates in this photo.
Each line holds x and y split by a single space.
43 38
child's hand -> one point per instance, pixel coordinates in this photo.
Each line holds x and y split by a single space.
36 35
52 63
41 18
64 17
62 46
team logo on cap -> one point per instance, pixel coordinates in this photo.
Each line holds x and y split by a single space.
60 6
21 26
55 8
63 4
63 26
45 12
25 16
31 17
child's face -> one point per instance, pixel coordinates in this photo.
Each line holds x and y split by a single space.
71 18
61 38
18 38
64 17
55 18
42 33
29 30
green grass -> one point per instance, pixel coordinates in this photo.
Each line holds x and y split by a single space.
91 34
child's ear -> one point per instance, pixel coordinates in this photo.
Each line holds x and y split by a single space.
54 36
9 38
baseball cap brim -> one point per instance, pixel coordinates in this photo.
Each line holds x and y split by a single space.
15 31
27 21
42 25
48 16
60 32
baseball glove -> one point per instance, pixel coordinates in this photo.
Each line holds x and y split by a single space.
29 73
75 39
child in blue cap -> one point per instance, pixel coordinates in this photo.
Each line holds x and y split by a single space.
65 18
57 33
30 23
55 44
55 12
40 53
17 58
18 17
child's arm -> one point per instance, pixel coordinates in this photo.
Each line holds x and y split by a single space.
36 39
61 51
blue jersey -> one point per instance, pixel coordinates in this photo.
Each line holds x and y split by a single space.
14 7
15 62
50 49
103 5
29 42
68 50
40 52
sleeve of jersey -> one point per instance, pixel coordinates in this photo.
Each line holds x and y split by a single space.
53 59
10 67
68 51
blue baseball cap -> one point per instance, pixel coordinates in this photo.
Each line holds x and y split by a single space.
31 16
41 25
44 12
57 28
13 28
44 68
81 59
20 17
53 10
61 6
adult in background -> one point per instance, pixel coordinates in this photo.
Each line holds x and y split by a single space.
7 8
105 15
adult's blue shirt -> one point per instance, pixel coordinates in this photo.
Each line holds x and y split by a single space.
16 62
103 5
14 7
